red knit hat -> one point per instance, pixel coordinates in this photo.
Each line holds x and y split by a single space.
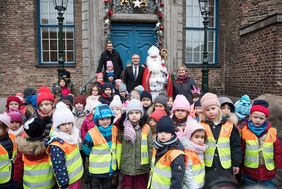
80 99
11 99
158 114
16 116
260 106
44 93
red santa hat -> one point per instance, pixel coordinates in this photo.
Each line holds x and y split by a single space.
153 51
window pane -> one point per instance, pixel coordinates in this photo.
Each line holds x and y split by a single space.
53 44
69 45
45 56
45 34
70 56
53 33
53 56
45 44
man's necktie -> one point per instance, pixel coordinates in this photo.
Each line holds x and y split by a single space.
135 72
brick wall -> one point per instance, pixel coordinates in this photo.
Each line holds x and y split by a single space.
252 61
18 48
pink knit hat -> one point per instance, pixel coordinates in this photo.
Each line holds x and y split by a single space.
209 99
16 116
181 103
192 126
109 63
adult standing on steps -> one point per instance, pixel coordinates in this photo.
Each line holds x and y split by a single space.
112 55
133 73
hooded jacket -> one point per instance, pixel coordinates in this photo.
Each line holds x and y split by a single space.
33 151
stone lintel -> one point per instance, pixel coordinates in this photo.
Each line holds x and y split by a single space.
142 18
273 19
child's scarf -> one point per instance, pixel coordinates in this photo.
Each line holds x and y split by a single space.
257 130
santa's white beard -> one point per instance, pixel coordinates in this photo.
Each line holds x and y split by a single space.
154 65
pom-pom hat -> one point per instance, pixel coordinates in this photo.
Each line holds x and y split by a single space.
4 118
62 115
260 106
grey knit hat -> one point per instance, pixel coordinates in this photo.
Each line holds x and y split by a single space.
122 88
134 104
161 99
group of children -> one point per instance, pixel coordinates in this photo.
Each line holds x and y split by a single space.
121 140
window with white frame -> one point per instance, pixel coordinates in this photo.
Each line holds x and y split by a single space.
48 33
195 33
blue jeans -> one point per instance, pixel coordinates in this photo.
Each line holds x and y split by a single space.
248 181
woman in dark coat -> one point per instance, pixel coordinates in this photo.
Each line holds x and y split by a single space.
183 84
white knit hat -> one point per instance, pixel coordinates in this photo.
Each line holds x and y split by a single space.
153 51
6 119
116 102
62 115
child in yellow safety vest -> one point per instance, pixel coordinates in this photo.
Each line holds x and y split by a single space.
32 164
193 140
169 160
7 153
261 147
223 138
102 147
64 148
137 146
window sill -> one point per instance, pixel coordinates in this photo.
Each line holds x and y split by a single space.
69 65
201 66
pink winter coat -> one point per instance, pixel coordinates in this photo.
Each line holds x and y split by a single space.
87 124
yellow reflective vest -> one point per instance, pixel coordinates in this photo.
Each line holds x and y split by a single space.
6 162
196 167
74 163
222 145
102 157
253 148
144 145
160 175
38 174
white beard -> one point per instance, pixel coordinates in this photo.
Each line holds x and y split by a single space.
154 65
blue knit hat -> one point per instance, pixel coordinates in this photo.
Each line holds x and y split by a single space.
102 111
243 107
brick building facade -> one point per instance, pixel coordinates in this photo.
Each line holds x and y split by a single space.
249 51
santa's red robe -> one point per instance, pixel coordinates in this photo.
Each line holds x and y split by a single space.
146 84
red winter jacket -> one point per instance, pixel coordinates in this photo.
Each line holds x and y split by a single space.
87 124
261 173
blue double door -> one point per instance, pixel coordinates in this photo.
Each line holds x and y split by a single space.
129 39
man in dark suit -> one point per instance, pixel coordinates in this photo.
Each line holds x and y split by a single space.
133 73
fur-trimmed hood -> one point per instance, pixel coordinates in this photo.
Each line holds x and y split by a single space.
31 148
233 118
